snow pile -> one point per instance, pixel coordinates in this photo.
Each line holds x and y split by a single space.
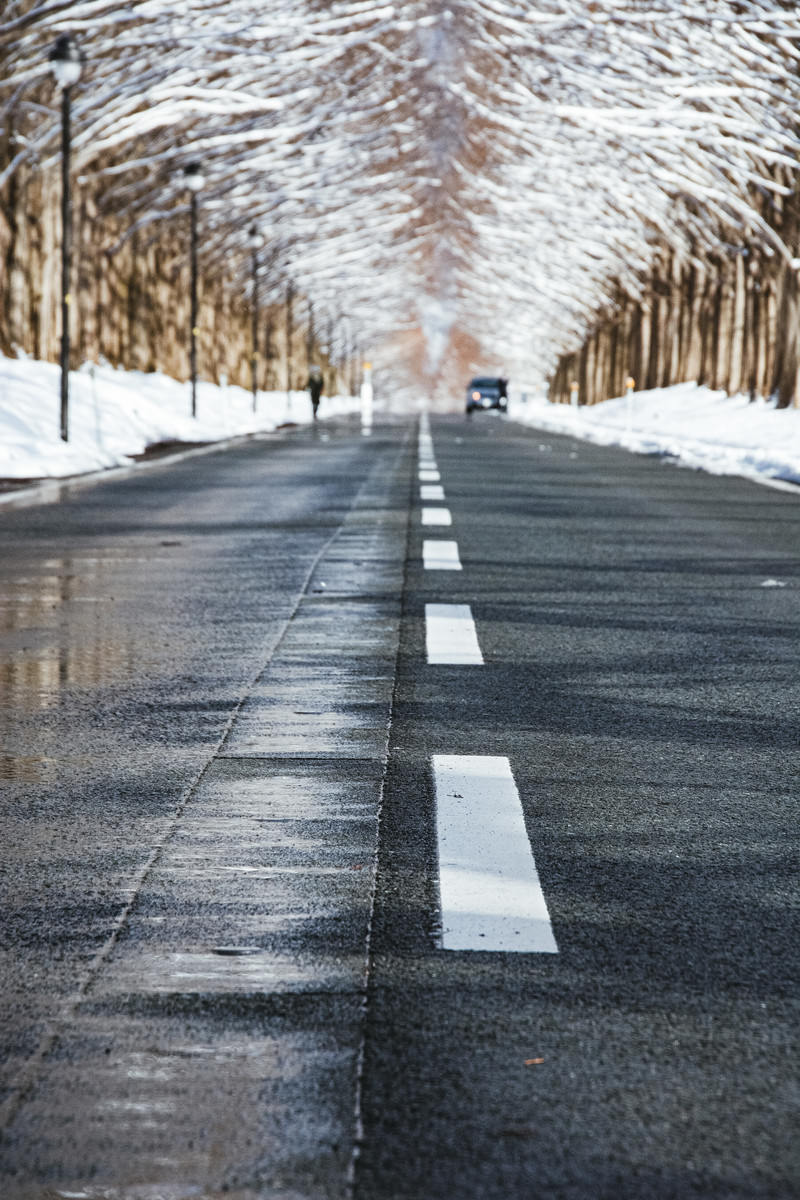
698 427
115 414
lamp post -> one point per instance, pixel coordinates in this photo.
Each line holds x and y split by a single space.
65 62
310 335
289 336
355 380
343 355
194 179
254 241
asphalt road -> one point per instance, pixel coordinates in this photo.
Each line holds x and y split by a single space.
225 914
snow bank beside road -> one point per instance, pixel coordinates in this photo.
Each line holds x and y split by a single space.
114 415
701 428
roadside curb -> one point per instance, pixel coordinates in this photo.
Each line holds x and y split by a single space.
51 490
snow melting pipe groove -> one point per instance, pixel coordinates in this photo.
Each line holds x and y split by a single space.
491 897
450 636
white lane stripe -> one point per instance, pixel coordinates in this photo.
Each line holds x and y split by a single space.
429 475
489 887
428 464
431 491
450 635
440 556
436 516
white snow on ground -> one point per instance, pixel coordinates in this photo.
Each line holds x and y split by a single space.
695 426
115 414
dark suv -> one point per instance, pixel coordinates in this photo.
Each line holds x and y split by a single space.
485 392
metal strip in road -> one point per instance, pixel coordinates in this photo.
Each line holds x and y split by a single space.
431 491
450 636
489 887
436 516
440 555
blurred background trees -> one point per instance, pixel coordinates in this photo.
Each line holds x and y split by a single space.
563 189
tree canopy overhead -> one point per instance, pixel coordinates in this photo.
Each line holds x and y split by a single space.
483 172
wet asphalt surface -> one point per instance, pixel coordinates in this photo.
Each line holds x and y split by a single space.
220 963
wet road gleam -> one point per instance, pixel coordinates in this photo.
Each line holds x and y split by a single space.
196 669
272 840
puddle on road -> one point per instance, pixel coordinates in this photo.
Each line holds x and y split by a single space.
57 628
24 768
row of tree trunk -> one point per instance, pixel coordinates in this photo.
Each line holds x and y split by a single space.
730 319
130 297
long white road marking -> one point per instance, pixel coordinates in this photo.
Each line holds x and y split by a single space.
436 516
489 887
429 475
440 556
450 635
431 491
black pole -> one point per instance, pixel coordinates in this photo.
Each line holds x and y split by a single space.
310 335
268 351
66 257
289 333
331 362
254 329
193 318
354 367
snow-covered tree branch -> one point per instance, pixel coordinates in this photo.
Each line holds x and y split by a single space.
468 168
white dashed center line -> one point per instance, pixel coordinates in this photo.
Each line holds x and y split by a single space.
431 491
429 475
490 892
440 556
450 635
436 516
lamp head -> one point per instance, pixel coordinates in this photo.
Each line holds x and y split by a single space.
194 177
66 60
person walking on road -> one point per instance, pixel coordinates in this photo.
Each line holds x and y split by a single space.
315 386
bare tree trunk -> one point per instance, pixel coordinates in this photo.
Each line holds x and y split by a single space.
785 380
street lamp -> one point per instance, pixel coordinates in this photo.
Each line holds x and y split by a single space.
310 335
343 355
254 241
289 335
194 180
65 62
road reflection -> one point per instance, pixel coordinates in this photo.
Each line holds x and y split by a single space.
58 627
